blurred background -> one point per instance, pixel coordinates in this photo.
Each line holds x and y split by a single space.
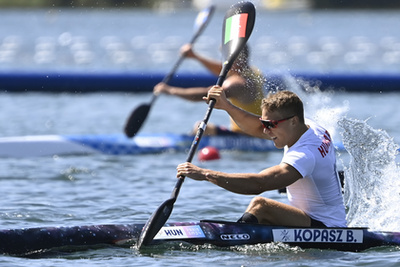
313 36
340 4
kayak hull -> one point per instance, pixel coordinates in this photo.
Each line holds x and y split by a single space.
24 242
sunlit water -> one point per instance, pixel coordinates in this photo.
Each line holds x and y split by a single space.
99 189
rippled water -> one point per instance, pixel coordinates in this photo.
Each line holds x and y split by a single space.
101 189
98 189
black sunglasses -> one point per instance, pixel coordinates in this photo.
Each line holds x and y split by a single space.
269 124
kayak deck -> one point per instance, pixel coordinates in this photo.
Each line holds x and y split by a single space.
25 242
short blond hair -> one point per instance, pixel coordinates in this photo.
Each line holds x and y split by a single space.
285 102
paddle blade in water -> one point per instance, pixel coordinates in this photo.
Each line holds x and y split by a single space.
155 223
136 120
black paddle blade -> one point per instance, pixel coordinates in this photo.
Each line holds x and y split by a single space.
155 223
237 28
136 120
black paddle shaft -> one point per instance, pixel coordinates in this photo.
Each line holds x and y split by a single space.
231 49
196 141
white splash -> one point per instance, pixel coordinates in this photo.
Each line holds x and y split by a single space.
372 179
318 105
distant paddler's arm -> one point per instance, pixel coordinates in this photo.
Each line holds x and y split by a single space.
191 93
212 65
248 122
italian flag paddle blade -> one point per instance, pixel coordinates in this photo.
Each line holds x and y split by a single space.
235 27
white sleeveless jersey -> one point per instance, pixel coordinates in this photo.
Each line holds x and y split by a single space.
318 193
